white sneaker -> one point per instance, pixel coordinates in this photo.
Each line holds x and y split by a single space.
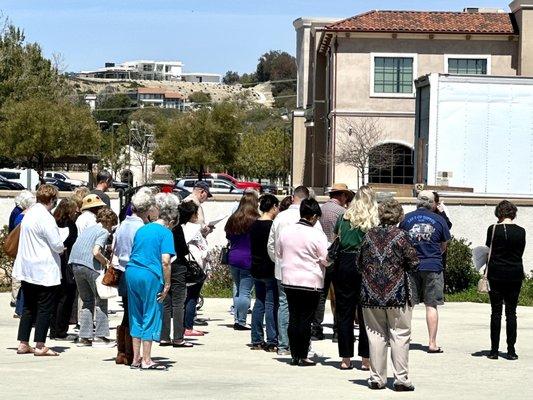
104 343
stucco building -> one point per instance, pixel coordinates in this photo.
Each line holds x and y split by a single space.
363 68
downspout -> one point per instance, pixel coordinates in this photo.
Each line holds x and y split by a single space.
334 116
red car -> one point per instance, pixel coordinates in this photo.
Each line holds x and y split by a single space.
239 184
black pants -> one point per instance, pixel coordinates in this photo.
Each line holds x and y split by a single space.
38 308
318 318
64 302
174 304
503 292
302 307
347 283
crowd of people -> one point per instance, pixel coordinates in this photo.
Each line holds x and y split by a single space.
372 261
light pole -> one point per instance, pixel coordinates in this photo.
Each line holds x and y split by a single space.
146 137
114 127
132 129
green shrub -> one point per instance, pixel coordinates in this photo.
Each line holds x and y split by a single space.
459 274
219 283
471 295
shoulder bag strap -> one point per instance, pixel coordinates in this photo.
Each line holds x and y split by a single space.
490 249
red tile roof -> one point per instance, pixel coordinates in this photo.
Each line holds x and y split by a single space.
428 22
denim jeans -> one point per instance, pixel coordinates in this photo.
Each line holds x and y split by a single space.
193 293
265 306
283 319
242 297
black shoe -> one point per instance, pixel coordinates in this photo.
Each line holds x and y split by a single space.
375 386
403 388
335 337
493 355
317 336
295 361
12 304
511 355
258 346
200 322
239 327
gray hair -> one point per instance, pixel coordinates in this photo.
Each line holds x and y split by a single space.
427 204
142 200
25 199
168 206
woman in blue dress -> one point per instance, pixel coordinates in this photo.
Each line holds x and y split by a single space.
148 280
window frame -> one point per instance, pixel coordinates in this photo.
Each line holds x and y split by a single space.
373 56
487 57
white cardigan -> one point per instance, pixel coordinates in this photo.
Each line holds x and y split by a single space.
40 244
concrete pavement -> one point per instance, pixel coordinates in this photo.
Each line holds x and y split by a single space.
221 366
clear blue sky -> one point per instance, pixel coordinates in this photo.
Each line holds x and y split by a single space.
206 35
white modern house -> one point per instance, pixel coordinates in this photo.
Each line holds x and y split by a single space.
201 77
138 69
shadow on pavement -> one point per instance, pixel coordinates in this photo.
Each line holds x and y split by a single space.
364 382
482 353
418 346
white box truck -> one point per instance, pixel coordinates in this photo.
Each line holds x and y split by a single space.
475 131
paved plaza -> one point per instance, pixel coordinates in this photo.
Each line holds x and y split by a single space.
221 366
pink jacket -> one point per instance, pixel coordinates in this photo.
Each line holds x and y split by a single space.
303 253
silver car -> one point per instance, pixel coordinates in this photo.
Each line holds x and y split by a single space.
216 186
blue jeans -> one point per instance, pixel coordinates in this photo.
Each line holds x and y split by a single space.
283 319
193 293
242 295
265 306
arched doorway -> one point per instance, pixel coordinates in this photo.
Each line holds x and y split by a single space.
391 163
126 176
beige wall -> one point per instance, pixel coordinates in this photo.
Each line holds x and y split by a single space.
396 115
524 19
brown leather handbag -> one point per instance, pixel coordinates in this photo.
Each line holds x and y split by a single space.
111 277
11 243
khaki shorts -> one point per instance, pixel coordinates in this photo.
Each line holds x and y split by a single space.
428 288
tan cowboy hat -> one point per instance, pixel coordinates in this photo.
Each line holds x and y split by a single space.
91 201
340 187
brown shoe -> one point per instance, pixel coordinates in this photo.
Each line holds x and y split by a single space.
121 345
128 346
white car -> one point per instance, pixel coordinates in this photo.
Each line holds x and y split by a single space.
64 177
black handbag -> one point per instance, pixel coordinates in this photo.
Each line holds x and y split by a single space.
224 255
335 248
194 273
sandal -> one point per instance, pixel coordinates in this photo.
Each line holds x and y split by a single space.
45 352
164 343
26 350
182 344
346 368
435 351
154 367
135 366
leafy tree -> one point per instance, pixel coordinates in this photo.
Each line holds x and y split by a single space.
195 140
200 97
276 66
231 78
116 108
248 79
38 129
24 72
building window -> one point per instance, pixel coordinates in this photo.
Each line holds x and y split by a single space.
148 67
393 75
391 163
467 66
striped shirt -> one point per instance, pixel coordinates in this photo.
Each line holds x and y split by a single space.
331 211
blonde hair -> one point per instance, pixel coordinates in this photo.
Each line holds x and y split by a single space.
79 194
363 210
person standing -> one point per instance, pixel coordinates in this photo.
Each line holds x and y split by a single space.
174 304
361 216
199 195
65 215
87 260
148 280
38 267
386 257
104 181
339 197
429 234
142 203
284 219
266 287
505 274
303 253
240 257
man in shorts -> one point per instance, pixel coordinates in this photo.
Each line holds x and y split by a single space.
429 234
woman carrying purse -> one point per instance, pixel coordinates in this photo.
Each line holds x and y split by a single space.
505 272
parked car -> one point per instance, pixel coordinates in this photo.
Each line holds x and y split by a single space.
217 186
64 177
234 181
119 185
60 184
29 178
6 184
